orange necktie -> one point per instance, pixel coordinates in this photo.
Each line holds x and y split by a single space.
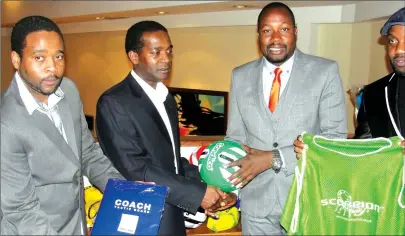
275 90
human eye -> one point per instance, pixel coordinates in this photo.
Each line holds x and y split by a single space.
39 58
155 53
284 29
392 41
60 57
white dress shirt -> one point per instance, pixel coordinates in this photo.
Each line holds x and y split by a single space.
51 110
158 96
268 76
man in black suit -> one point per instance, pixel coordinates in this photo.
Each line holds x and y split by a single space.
137 127
382 110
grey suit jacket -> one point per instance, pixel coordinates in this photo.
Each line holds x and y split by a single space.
312 101
41 175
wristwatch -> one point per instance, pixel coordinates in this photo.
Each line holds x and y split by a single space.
276 163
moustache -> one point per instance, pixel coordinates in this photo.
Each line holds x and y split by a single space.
276 46
53 77
402 56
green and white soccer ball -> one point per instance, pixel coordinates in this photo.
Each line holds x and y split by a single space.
211 163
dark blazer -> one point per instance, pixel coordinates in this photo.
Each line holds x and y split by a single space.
133 135
373 117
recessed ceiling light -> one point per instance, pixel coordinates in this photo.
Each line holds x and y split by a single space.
240 6
162 12
100 17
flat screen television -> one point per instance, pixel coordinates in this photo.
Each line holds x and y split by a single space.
201 112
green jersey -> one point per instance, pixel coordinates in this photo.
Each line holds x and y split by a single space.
347 187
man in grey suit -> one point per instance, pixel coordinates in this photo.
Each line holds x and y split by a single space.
46 146
273 100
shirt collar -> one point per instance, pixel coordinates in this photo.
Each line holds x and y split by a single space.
30 103
160 93
286 67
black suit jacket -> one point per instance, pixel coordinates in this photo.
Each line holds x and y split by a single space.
373 118
133 136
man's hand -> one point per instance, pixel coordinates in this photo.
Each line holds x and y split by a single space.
254 163
213 196
298 146
226 203
403 145
247 149
222 204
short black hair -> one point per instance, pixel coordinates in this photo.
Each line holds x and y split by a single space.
275 5
27 25
134 37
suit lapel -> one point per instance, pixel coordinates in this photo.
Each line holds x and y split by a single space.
171 109
65 115
294 86
257 75
44 124
148 106
392 92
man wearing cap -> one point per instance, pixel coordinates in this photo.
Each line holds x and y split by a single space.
382 110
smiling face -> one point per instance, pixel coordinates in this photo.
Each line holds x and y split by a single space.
396 48
153 62
42 63
277 36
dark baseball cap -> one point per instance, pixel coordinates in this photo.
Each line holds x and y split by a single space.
398 18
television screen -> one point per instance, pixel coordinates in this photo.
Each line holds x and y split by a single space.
201 112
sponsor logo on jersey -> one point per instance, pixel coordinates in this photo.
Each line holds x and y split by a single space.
132 206
213 156
351 210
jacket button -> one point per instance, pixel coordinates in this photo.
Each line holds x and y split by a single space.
275 145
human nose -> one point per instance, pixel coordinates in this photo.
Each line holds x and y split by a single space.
167 57
400 49
275 37
50 65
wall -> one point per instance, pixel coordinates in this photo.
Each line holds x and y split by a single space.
203 58
332 45
6 66
359 50
379 62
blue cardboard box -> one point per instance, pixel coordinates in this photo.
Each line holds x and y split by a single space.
130 208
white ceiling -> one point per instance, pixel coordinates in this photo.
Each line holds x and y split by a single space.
84 11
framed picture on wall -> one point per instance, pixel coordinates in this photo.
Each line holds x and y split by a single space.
201 112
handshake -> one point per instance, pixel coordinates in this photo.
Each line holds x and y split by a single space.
215 200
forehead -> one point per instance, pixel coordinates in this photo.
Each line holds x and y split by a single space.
44 39
156 38
276 15
397 30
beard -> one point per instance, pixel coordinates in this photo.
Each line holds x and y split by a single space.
38 88
396 69
276 60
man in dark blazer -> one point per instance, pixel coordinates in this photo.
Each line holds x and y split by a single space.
137 128
382 110
46 146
